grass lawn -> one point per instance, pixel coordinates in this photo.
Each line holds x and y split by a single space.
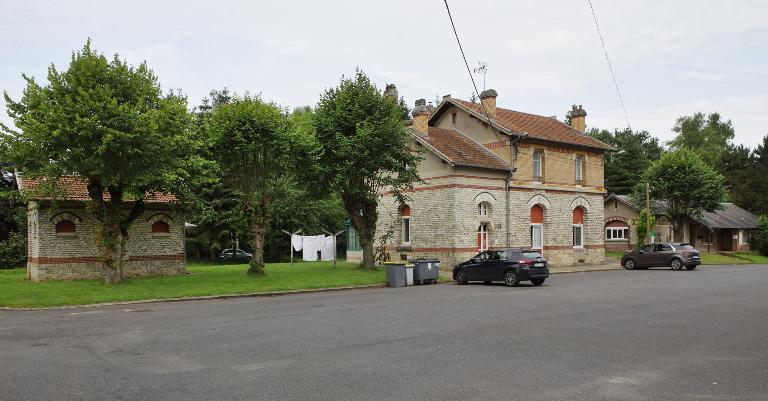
204 279
717 259
614 254
754 257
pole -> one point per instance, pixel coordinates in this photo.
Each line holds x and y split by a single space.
648 212
290 242
334 244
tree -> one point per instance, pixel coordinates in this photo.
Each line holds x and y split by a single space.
636 151
109 123
707 135
364 150
643 222
684 184
760 240
757 184
255 149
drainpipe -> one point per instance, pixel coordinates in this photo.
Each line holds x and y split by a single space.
506 202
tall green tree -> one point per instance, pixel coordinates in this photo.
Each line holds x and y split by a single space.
708 135
109 123
256 152
644 221
636 151
757 189
685 184
364 150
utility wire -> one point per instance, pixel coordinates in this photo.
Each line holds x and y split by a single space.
610 67
472 78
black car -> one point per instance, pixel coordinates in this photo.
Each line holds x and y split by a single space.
230 255
509 265
677 255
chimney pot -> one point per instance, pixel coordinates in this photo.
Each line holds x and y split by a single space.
488 101
578 118
421 113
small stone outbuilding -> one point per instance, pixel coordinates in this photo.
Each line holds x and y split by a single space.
62 236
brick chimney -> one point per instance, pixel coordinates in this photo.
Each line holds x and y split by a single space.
421 113
578 118
488 100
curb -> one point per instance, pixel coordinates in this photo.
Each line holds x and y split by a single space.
200 298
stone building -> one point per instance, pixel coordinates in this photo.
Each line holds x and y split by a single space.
726 230
496 178
62 236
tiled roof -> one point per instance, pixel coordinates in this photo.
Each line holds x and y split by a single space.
75 188
538 127
461 150
731 216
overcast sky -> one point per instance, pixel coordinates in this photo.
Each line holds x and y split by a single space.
671 58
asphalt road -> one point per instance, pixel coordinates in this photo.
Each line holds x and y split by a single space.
614 335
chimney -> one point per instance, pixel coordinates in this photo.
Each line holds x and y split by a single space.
488 100
420 115
391 92
578 118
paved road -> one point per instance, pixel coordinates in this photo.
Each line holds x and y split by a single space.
614 335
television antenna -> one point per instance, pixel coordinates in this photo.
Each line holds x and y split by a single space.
482 68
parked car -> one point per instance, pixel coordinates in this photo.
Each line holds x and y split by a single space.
675 255
231 255
509 265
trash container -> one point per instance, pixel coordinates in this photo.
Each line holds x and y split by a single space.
396 275
426 270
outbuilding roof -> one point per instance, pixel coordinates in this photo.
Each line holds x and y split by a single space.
730 217
74 188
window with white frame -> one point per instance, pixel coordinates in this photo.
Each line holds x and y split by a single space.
538 165
406 229
483 209
579 169
482 237
616 233
537 236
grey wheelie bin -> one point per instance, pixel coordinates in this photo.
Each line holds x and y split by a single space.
426 270
396 276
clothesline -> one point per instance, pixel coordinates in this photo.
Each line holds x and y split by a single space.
310 245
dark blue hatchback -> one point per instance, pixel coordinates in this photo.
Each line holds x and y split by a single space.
509 265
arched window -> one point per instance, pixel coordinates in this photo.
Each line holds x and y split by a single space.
537 227
405 217
66 227
578 227
160 227
483 209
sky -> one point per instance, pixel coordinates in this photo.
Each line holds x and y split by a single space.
671 58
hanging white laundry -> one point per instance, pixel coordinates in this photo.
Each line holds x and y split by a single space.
319 242
326 253
296 242
309 248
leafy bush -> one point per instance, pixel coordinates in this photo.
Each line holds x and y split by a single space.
13 251
760 241
641 228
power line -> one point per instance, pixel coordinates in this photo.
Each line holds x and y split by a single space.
472 78
610 67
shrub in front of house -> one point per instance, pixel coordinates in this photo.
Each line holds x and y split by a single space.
13 251
760 241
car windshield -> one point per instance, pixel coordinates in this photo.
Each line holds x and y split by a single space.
685 247
531 255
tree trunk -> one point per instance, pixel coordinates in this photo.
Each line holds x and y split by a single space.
369 254
112 248
258 231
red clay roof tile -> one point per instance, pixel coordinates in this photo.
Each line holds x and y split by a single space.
461 150
75 188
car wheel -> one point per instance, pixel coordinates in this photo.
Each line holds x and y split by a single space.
537 281
629 264
461 277
690 267
511 279
676 264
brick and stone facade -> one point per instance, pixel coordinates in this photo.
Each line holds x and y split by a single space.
74 255
461 207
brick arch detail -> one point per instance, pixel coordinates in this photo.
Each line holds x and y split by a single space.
581 202
615 218
485 197
66 216
540 200
160 217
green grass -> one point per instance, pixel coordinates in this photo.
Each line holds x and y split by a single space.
717 259
614 254
754 257
16 291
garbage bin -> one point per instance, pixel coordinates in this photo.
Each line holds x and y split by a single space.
396 275
426 270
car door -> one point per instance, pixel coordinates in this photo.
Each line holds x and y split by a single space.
646 255
664 254
493 268
474 268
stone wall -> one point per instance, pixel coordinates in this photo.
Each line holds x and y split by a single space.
71 256
444 220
